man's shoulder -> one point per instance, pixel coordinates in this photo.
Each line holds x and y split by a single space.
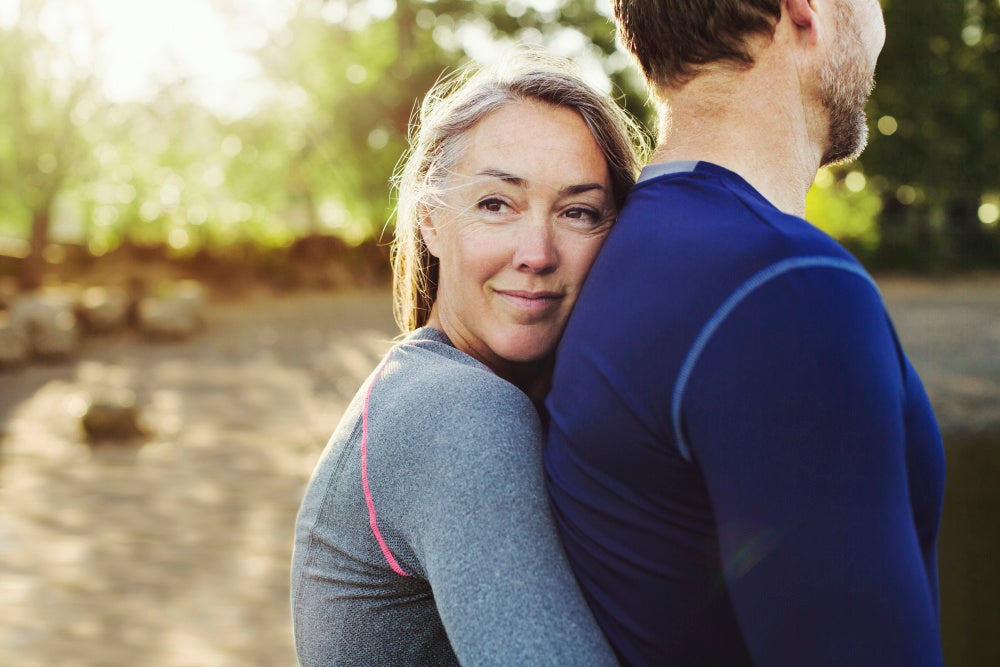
680 194
718 220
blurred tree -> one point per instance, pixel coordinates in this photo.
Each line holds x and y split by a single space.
43 103
316 157
162 177
935 151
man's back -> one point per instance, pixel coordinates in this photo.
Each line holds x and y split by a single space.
742 462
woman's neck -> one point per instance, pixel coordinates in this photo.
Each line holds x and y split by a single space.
533 378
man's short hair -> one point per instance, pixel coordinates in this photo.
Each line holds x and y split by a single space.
673 40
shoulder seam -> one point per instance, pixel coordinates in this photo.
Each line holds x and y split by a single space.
715 321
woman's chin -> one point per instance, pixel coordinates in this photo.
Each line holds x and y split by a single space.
527 352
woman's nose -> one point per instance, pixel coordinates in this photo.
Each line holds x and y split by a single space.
535 247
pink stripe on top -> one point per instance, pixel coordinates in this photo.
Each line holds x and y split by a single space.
372 520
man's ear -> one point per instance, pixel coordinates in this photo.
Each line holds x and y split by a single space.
805 17
428 229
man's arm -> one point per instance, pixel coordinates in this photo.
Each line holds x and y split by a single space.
794 412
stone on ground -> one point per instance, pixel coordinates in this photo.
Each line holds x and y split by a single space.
50 323
15 348
112 416
104 308
178 314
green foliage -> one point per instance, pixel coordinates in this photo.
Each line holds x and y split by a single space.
935 151
841 205
937 101
43 146
345 77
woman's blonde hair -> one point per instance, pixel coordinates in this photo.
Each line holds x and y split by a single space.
451 109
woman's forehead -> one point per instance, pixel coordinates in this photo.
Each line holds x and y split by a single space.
526 142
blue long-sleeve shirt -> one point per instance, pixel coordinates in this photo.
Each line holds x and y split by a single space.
743 464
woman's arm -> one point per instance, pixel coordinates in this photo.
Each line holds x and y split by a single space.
472 505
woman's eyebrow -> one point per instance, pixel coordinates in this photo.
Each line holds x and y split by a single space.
518 181
580 189
503 176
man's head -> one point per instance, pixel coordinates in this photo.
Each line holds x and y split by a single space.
674 41
847 77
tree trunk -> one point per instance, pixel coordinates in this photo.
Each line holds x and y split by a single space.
34 264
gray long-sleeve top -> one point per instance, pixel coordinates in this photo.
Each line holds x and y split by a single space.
425 536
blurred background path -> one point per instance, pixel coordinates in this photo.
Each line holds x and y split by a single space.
175 553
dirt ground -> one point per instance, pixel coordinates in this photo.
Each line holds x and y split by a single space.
951 332
175 552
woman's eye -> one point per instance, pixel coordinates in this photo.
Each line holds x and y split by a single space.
589 215
493 205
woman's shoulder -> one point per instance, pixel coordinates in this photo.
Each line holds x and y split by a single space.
432 400
425 371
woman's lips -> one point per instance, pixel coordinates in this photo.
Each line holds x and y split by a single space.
530 302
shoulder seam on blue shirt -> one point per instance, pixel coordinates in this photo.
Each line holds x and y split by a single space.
742 292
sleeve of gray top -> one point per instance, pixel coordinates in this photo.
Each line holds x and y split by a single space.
478 518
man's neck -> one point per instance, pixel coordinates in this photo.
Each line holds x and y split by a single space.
733 120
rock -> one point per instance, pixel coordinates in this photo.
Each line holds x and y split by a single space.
8 291
15 348
49 322
180 314
104 308
113 416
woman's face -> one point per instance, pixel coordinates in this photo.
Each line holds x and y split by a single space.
523 217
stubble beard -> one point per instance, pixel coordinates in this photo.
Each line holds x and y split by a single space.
846 83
